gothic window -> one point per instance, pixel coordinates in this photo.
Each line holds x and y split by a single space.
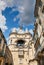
43 10
39 21
20 43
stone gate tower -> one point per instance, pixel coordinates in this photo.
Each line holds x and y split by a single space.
21 46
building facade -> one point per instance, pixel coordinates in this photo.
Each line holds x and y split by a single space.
39 31
5 54
23 48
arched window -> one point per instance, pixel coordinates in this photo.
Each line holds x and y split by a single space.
20 43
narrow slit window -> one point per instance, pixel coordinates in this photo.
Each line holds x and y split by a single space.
0 40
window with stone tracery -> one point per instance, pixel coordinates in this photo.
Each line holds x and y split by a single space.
20 43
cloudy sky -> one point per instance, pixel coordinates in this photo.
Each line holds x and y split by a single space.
15 13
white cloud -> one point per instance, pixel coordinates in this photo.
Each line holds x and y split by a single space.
26 9
2 5
9 3
2 18
3 23
15 19
31 31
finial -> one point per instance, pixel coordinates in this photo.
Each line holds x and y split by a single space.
14 30
21 27
27 31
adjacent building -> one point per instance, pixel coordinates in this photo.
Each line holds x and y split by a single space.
5 54
39 31
22 47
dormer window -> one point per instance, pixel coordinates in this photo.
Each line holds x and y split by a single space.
20 43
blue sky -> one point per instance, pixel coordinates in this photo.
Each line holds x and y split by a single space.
16 13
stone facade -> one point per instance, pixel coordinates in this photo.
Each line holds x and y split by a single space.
39 31
23 48
5 54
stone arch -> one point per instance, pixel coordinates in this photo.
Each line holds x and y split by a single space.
20 42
